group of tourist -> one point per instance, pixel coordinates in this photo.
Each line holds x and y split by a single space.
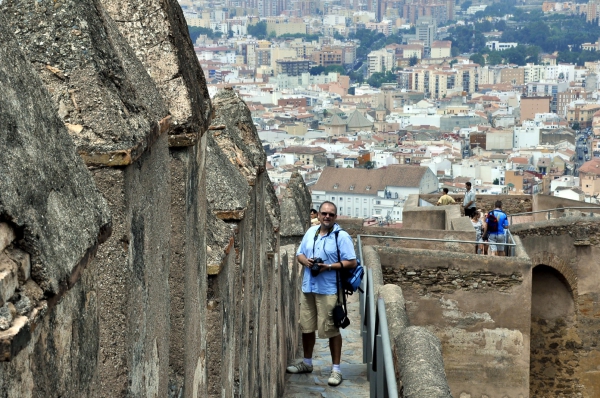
489 227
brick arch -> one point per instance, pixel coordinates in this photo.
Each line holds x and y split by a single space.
559 264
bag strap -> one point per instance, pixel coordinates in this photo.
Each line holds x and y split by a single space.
337 274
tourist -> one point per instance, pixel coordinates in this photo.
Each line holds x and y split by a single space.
496 226
314 217
445 199
479 231
469 201
320 292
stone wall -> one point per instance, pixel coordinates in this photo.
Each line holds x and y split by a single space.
189 296
52 219
565 337
248 283
479 308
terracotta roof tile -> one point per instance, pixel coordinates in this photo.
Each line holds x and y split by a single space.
342 179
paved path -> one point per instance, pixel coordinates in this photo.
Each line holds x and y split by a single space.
355 382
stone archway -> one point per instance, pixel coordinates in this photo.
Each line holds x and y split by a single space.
554 342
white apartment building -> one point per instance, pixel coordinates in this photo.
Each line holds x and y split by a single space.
527 135
563 182
362 193
380 61
499 46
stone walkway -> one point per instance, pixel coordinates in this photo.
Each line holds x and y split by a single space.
355 382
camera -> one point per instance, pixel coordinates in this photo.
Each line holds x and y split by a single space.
315 269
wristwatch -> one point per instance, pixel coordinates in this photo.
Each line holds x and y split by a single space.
329 266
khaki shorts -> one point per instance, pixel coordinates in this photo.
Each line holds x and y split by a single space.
315 314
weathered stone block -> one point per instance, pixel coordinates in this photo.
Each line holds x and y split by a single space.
7 235
23 263
9 278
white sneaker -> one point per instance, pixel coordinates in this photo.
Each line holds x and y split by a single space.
335 379
300 368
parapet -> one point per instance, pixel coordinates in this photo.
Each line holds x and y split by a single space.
233 130
104 96
157 32
295 208
53 216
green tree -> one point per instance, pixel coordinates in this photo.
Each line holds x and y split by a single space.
478 59
196 31
412 61
258 30
377 78
496 182
575 126
494 58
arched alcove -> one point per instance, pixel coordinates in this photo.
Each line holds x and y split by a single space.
554 339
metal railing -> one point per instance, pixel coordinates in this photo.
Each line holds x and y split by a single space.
377 349
558 209
510 244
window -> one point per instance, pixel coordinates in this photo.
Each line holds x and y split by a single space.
341 210
317 196
364 200
356 211
333 198
341 198
378 202
349 199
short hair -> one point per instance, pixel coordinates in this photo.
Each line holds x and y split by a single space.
445 190
328 203
313 211
498 203
468 183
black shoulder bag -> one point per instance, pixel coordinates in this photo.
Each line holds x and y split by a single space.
340 311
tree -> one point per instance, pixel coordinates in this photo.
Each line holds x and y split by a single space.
377 78
258 30
412 61
494 58
478 59
496 182
196 31
575 126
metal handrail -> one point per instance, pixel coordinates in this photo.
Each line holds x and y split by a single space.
439 240
557 209
377 351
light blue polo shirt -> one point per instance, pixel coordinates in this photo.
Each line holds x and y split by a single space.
324 247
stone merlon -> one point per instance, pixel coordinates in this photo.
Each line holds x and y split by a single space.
108 102
234 131
47 193
157 31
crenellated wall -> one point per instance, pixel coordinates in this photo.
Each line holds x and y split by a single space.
191 295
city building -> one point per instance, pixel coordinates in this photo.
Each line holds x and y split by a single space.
363 193
380 61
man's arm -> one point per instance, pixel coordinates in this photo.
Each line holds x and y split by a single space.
305 261
452 199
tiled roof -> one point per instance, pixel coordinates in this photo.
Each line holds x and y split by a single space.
357 120
308 150
591 167
342 179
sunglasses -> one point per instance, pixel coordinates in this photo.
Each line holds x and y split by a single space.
325 214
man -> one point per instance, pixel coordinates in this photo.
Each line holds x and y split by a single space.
314 218
445 199
497 238
469 201
319 293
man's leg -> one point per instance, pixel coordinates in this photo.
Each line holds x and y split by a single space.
308 322
335 347
308 344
